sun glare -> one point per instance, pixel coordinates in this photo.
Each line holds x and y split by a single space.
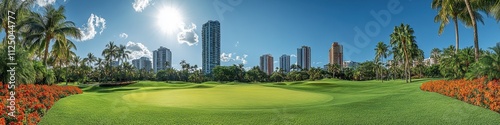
169 20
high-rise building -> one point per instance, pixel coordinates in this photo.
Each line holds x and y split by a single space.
210 35
142 63
336 54
304 57
162 59
285 63
267 64
350 64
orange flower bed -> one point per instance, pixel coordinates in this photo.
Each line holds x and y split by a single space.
31 102
477 92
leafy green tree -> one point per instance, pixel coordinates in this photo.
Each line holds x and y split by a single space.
197 77
432 71
255 75
162 75
365 71
23 75
277 76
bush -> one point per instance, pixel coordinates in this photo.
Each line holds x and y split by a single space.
32 101
477 92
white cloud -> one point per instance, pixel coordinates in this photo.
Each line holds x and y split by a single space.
293 55
188 35
123 35
138 50
89 29
237 43
139 5
242 59
275 61
45 2
228 57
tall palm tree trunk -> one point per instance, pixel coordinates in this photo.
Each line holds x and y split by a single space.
406 61
46 53
455 20
381 77
473 18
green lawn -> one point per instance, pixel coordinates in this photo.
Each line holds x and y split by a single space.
314 102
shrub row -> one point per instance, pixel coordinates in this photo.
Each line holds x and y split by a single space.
31 102
478 92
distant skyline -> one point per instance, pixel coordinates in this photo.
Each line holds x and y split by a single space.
251 28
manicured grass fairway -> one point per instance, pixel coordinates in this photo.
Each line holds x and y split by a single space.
315 102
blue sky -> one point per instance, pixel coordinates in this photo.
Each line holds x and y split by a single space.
251 28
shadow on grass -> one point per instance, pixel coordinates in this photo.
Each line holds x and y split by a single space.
116 90
295 83
418 80
96 88
173 88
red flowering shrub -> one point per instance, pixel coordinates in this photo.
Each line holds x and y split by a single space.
477 92
31 102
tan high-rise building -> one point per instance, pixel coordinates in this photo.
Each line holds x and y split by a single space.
336 54
267 64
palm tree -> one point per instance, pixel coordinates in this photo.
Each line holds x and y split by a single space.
123 56
489 65
123 53
419 58
100 63
403 41
90 59
128 70
62 52
454 10
184 65
493 8
294 67
52 25
474 25
436 54
381 52
21 8
75 61
333 68
110 53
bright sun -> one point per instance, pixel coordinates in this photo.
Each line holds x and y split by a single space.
169 20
